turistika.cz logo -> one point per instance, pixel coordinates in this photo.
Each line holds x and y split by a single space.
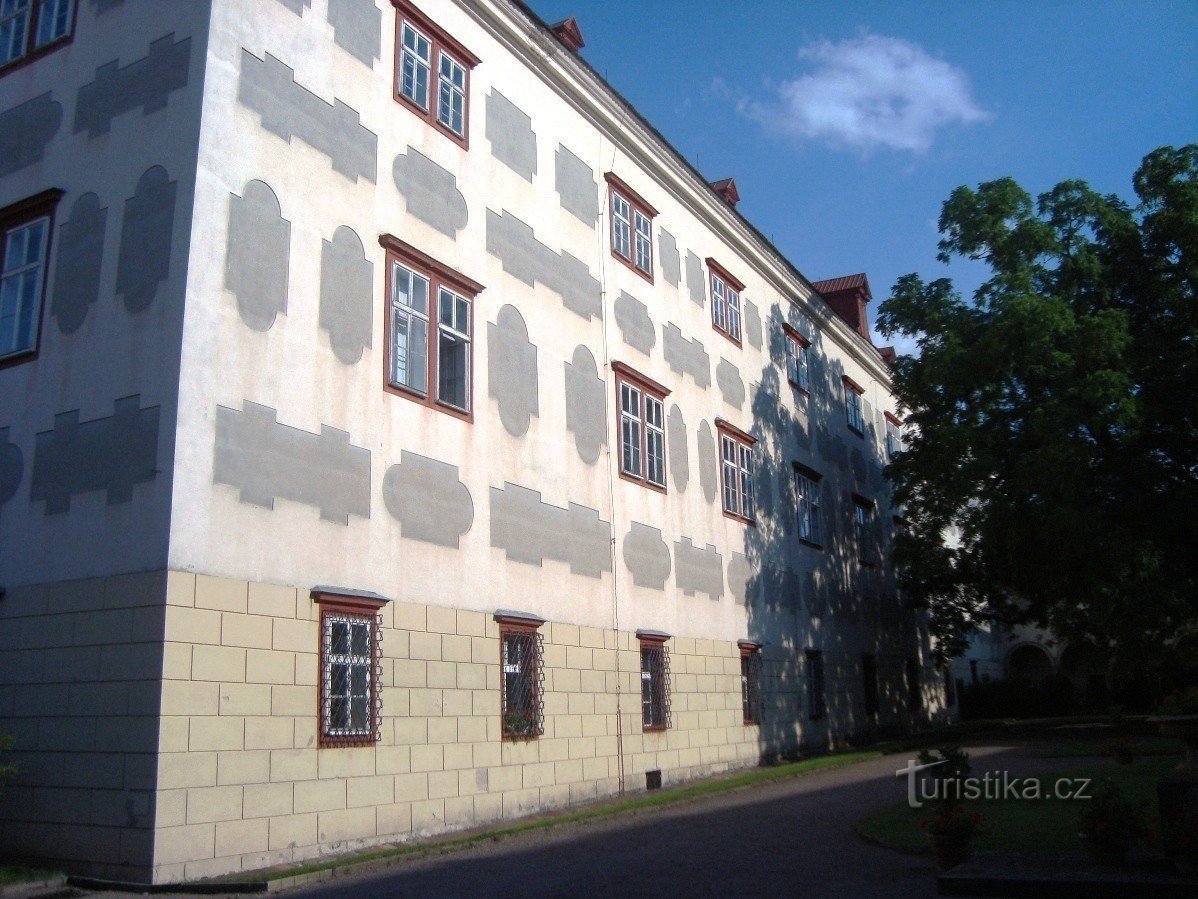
993 785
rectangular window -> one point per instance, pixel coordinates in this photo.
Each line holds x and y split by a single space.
443 377
852 406
816 708
641 404
750 682
869 677
894 436
863 528
725 302
631 227
28 28
523 710
807 495
445 103
350 669
736 471
655 683
25 230
797 369
914 692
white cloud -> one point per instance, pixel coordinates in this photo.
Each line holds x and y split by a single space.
869 92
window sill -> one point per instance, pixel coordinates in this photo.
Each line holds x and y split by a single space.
422 400
37 54
18 358
632 266
746 521
798 389
462 140
811 544
857 431
735 341
655 729
642 482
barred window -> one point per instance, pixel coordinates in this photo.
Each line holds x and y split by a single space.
750 682
350 669
655 683
816 707
520 686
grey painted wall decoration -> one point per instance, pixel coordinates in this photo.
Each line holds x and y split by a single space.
646 556
740 576
586 405
266 460
576 186
632 317
80 256
857 464
26 130
732 387
705 441
103 6
695 285
346 294
676 442
698 570
529 531
297 6
428 499
528 259
110 454
12 467
686 357
509 129
258 255
512 370
357 27
431 192
780 588
147 82
147 232
667 254
287 110
753 323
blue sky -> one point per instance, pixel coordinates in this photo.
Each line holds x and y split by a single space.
846 124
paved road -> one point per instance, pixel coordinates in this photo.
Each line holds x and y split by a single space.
784 839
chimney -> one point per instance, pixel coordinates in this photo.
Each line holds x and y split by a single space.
848 297
568 32
727 191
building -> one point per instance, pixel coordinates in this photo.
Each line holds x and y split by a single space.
397 434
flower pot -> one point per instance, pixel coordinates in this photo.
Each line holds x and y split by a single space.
1177 791
949 849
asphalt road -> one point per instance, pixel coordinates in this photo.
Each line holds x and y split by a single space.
784 839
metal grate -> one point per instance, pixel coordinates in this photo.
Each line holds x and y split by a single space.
522 685
350 674
750 686
655 686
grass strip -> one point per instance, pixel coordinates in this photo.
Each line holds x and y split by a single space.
709 787
14 874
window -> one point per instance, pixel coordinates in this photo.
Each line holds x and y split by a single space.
641 404
807 491
725 302
914 693
894 436
869 677
863 523
750 681
816 708
736 471
631 227
521 700
32 28
25 230
797 371
430 330
432 72
852 406
350 668
655 680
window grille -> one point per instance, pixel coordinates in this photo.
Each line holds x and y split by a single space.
750 686
522 685
655 686
816 707
350 674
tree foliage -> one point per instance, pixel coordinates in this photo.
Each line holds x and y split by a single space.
1054 416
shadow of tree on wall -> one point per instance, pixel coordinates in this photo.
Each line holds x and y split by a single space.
830 600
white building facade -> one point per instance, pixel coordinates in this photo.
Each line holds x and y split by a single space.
396 435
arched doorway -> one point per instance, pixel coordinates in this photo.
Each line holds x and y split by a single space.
1029 662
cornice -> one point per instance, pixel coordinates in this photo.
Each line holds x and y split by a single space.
572 79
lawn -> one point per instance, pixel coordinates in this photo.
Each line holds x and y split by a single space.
1047 825
15 874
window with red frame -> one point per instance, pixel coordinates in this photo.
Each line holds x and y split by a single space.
750 682
25 230
736 471
655 681
350 669
631 227
522 676
31 28
797 367
852 406
725 301
430 330
894 436
641 404
432 72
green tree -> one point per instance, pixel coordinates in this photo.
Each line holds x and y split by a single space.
1055 414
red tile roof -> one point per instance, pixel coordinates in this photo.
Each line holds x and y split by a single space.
845 282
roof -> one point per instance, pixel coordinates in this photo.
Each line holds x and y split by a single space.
845 282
